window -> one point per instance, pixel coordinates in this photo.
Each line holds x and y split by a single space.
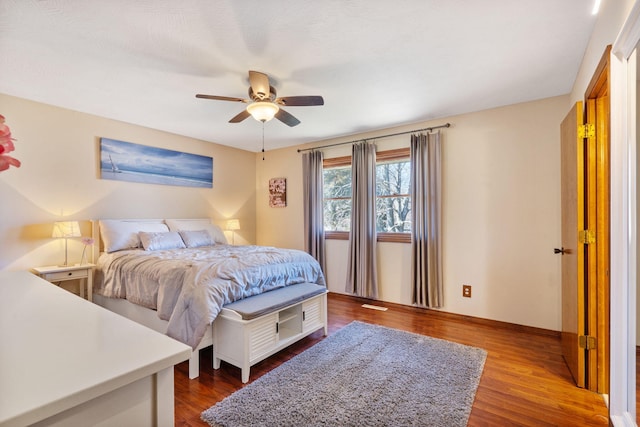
337 198
393 202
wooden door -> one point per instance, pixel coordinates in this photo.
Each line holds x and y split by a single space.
585 235
598 220
573 280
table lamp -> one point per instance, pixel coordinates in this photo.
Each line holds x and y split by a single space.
233 225
64 230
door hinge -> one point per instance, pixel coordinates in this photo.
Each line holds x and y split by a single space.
587 130
587 342
586 237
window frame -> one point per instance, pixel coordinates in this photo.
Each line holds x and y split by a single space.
381 156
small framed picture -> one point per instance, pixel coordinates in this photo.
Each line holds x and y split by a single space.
278 192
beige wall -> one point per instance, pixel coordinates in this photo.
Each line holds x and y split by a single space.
59 178
280 227
501 214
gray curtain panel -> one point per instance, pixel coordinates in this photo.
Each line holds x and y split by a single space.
426 220
313 206
362 278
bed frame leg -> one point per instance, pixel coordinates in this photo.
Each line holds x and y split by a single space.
194 364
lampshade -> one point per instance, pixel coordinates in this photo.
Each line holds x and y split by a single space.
263 111
66 229
233 224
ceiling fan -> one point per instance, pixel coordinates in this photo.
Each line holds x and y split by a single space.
264 104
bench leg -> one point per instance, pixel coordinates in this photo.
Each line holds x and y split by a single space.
245 373
194 364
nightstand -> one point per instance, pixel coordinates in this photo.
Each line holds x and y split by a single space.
56 274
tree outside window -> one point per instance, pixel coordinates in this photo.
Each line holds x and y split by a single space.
393 202
337 198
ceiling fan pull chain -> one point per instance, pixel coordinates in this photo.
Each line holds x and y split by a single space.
263 141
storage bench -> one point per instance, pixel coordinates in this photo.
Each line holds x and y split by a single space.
250 330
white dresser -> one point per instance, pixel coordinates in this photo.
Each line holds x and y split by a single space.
66 361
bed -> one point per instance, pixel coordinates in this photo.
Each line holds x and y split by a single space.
175 275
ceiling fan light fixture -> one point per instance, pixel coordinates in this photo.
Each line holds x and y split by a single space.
262 111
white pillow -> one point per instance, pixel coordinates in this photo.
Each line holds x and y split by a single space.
196 238
154 241
121 234
197 224
217 234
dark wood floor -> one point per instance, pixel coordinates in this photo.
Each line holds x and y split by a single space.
525 380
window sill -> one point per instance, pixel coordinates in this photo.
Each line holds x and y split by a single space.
382 237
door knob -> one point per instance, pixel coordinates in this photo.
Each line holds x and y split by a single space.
558 251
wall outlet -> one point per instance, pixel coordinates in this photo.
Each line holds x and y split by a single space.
466 291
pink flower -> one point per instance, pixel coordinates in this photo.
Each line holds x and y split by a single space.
8 161
87 241
6 146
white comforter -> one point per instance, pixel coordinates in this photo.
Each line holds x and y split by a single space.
188 287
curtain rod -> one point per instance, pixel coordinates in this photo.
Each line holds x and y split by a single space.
429 129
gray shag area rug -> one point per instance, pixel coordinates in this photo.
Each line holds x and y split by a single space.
362 375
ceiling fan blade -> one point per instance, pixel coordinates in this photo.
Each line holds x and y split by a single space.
300 101
240 116
221 98
259 84
286 118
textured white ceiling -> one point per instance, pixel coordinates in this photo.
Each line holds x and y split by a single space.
378 64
